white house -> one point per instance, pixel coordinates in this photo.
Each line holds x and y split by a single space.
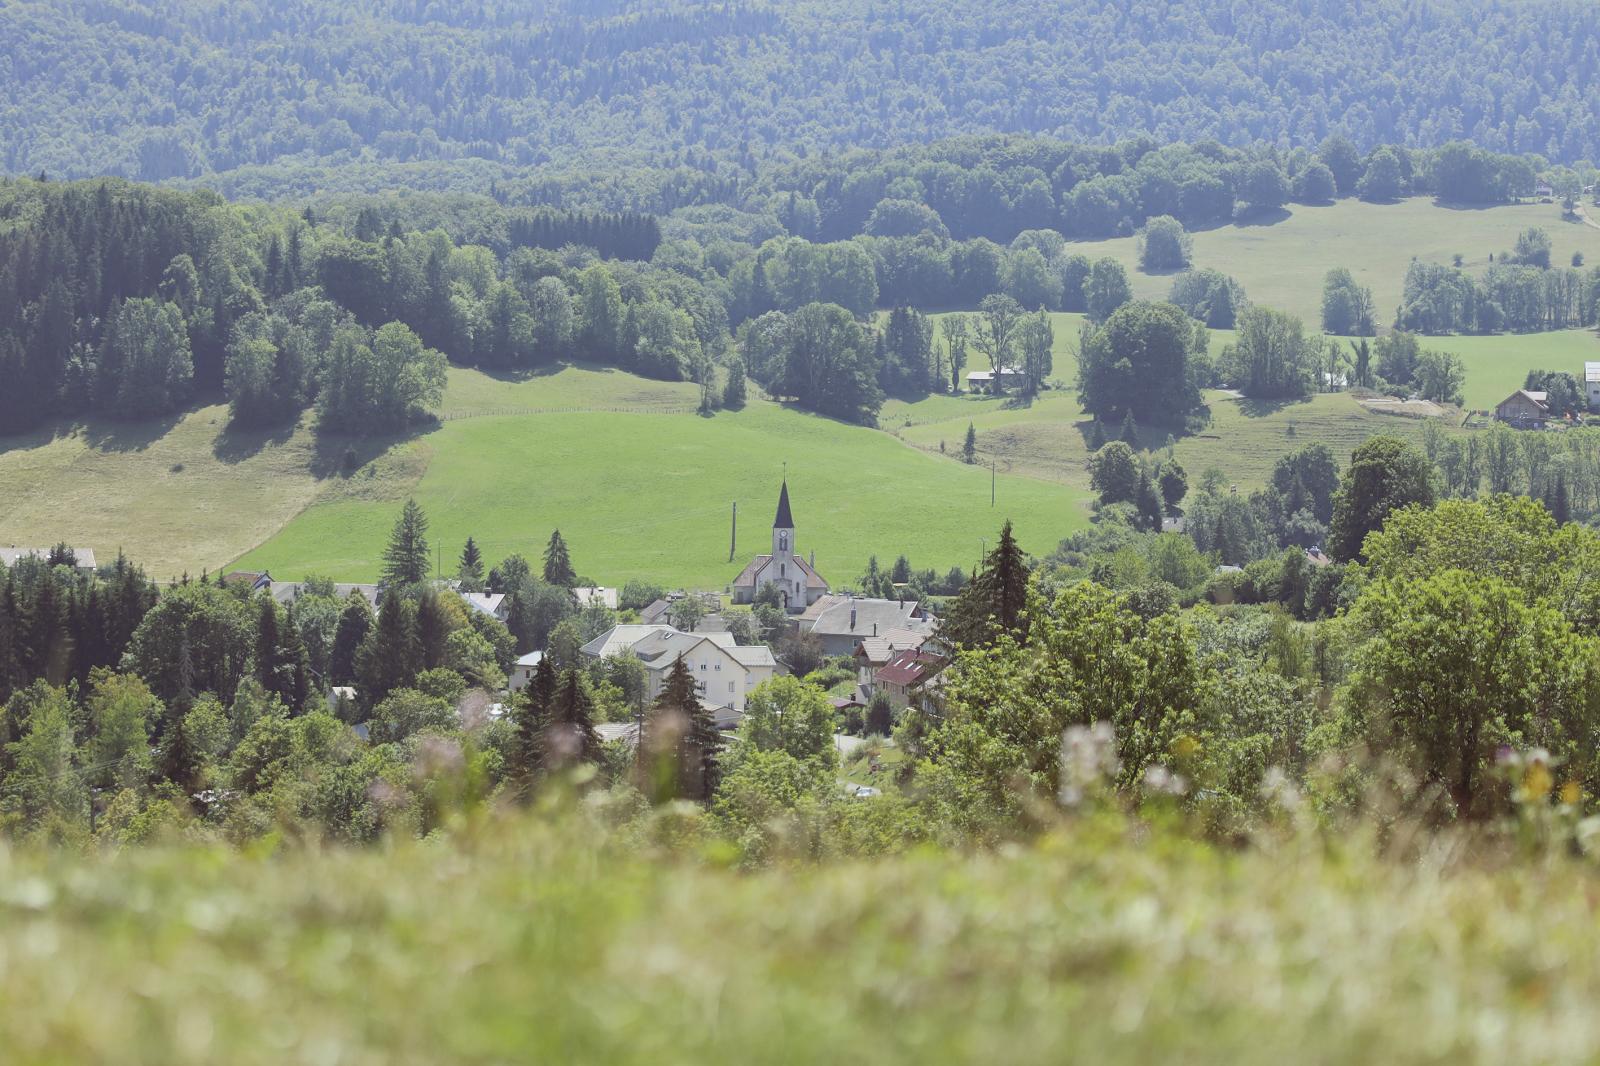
797 581
1591 384
724 672
522 673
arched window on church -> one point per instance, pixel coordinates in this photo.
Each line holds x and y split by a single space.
783 542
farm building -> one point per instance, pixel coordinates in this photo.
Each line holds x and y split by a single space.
1524 409
83 558
984 380
1591 385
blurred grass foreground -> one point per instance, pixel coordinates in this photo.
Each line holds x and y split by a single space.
581 937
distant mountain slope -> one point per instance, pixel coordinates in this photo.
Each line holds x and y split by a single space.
160 89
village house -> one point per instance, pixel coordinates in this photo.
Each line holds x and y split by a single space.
253 580
874 653
901 679
493 604
1524 409
1591 385
522 673
797 582
286 592
842 622
724 672
82 557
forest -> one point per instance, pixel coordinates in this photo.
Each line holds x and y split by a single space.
263 92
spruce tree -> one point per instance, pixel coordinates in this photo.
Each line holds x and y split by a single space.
994 601
733 393
558 564
471 570
678 751
531 717
388 658
1148 501
405 560
1097 436
969 448
570 736
1130 432
355 621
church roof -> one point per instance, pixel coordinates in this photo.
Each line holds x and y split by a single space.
785 520
747 576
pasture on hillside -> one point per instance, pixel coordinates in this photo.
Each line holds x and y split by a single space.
640 495
1282 258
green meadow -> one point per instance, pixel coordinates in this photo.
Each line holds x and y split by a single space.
651 495
1281 260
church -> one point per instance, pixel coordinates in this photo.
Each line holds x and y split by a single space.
797 581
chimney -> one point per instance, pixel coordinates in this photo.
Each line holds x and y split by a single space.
874 629
852 616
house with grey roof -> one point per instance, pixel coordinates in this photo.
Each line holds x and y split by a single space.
842 622
83 557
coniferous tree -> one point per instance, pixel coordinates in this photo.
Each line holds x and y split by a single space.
471 570
994 602
679 749
1130 432
969 447
733 393
388 658
355 621
433 628
570 736
405 560
532 720
558 564
1148 501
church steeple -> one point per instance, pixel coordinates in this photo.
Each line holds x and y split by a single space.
785 520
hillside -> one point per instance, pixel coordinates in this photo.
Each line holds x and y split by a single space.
180 88
1282 262
649 495
639 484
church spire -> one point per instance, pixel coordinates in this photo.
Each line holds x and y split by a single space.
785 520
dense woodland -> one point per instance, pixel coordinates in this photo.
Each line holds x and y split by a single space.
274 92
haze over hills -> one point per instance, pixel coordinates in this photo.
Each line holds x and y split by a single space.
158 89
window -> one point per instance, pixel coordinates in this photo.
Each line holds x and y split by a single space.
718 668
730 686
702 668
783 569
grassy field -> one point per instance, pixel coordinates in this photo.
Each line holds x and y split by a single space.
1281 261
527 943
174 495
640 495
1497 365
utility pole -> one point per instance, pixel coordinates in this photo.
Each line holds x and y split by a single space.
733 548
991 482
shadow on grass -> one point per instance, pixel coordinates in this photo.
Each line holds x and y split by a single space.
338 455
106 435
1270 217
1262 408
235 444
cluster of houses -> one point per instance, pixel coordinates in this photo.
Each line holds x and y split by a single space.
1530 408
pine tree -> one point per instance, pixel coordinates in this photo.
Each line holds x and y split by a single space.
355 621
969 448
388 658
531 717
678 751
180 762
570 736
405 560
471 570
1130 432
433 628
558 564
1097 436
733 393
995 600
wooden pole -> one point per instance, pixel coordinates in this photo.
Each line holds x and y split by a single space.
733 548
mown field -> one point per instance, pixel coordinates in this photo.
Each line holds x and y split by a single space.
1281 260
521 942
